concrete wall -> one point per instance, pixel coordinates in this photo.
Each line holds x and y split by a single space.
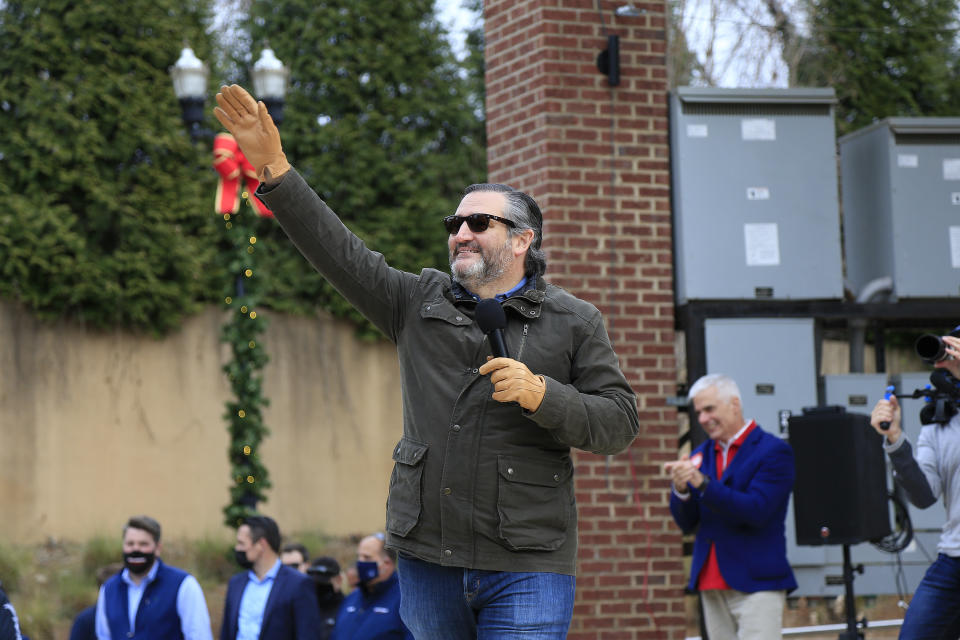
95 427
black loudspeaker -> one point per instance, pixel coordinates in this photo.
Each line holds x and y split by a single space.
840 494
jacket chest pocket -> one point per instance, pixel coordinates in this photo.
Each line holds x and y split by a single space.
533 503
406 490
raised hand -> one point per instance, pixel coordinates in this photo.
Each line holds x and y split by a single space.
253 128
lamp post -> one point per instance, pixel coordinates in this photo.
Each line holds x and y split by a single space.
270 83
242 330
190 76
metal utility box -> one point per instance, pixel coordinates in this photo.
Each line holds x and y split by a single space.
773 360
855 392
755 201
900 185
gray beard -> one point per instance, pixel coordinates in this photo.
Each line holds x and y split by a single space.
485 270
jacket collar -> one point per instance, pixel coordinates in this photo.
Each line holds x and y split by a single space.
526 302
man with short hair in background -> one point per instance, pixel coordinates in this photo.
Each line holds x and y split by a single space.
150 600
85 624
733 491
372 610
295 556
267 601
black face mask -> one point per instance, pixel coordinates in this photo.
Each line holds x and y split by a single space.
242 560
138 562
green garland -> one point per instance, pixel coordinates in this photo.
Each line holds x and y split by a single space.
244 413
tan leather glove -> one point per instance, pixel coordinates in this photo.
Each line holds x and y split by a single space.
254 130
513 382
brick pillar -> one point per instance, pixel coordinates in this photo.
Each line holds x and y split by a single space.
596 160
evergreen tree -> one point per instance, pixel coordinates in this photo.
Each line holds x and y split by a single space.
381 120
107 215
884 58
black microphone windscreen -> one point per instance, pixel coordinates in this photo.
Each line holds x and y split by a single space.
490 315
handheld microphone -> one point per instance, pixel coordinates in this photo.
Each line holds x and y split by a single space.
492 321
885 425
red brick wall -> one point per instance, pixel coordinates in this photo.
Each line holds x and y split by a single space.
596 159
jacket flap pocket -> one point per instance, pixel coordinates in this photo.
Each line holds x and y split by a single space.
441 309
409 451
544 473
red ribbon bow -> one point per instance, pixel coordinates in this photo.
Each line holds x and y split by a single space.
234 169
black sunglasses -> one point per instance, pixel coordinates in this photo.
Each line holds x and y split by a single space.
477 222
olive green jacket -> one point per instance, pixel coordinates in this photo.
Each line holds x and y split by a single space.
476 483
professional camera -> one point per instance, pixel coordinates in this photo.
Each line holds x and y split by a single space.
931 348
943 392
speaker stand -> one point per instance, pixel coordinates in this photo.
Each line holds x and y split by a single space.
852 633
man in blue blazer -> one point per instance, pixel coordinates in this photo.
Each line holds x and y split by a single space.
268 601
735 486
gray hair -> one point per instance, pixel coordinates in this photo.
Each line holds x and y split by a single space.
525 213
726 387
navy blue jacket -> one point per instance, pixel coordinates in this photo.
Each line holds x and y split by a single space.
85 625
742 514
9 626
292 612
372 616
157 616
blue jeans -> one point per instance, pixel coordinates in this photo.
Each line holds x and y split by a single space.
934 611
452 603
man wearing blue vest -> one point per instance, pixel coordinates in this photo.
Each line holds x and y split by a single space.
150 600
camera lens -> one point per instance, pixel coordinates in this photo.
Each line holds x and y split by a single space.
931 348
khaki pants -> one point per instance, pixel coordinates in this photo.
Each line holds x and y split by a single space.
734 615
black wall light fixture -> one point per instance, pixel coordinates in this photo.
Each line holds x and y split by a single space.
608 60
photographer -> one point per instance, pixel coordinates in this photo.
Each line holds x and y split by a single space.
934 611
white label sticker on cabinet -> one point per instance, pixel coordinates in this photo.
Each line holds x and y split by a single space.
758 193
908 160
762 244
758 129
955 247
951 168
697 131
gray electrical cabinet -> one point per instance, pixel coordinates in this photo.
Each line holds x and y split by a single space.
900 185
774 362
755 196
